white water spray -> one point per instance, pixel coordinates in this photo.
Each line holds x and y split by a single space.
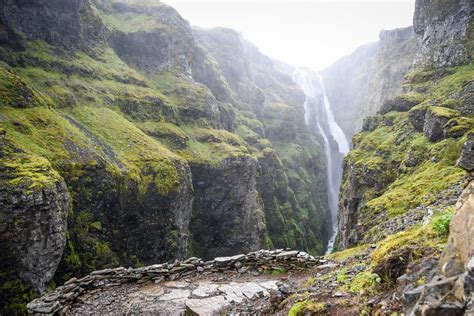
313 87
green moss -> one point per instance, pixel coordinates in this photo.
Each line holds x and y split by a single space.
421 280
104 256
162 130
459 125
419 236
146 161
96 225
348 253
15 293
421 188
30 171
443 112
15 92
437 86
404 170
309 282
363 282
306 307
211 146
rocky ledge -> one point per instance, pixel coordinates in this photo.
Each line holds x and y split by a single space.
121 279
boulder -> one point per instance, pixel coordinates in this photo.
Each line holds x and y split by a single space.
460 247
417 117
370 123
466 161
435 119
402 103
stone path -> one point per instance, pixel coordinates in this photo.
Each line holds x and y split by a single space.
200 296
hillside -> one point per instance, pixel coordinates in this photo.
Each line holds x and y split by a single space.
128 139
147 166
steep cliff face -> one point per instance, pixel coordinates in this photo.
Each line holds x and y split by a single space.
269 109
358 84
404 160
32 222
444 30
226 204
68 24
130 140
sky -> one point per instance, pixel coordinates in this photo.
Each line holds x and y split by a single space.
310 33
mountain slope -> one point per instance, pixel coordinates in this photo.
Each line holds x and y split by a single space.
125 141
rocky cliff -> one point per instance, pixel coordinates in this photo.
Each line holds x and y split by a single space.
405 212
129 138
409 165
405 157
358 84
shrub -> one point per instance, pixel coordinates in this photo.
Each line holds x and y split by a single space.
441 223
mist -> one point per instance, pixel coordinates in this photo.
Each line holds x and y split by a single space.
310 33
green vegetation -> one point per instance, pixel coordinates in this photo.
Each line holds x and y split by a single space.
14 294
418 237
403 168
348 253
145 160
129 22
306 307
441 222
364 282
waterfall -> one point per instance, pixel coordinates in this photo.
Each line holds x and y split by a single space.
323 118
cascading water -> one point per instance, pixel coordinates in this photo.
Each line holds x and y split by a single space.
313 87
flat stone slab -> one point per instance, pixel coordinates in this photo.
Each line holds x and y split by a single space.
202 297
229 259
287 254
205 290
207 306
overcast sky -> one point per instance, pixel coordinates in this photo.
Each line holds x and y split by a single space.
310 33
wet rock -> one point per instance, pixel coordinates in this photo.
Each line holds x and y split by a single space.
58 22
230 189
33 225
401 103
43 307
442 27
433 127
466 161
417 117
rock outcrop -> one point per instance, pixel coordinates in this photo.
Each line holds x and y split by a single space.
33 219
466 160
451 291
401 150
68 24
165 44
226 204
444 31
370 76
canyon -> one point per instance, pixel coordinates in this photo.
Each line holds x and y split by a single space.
145 164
